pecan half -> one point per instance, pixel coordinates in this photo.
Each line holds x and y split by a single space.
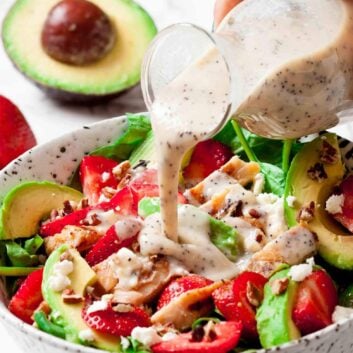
328 153
70 297
254 294
279 285
306 213
317 172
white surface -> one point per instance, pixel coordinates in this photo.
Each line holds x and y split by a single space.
49 119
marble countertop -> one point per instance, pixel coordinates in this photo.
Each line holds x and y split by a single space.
50 119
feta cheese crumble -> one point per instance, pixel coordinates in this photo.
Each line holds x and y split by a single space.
299 272
100 305
148 336
59 280
341 313
86 335
334 204
291 200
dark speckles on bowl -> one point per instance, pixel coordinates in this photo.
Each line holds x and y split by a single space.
42 164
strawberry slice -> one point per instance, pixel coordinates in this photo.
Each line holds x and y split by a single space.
179 286
207 157
116 323
96 173
123 202
233 301
16 135
225 337
28 297
108 245
346 216
315 302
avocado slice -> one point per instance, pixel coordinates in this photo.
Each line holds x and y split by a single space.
274 316
69 316
335 245
30 202
117 71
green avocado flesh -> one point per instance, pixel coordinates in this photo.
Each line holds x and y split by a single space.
27 204
274 316
69 316
335 246
117 71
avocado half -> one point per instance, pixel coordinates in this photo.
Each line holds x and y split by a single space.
335 244
118 71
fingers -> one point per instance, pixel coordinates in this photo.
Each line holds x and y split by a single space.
222 8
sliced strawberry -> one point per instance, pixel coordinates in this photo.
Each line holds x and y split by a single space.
123 202
116 323
28 297
346 216
16 135
108 245
96 173
233 302
226 337
179 286
207 157
315 302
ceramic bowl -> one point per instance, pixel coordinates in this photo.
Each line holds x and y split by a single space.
57 161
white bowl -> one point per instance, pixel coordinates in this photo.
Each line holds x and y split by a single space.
57 161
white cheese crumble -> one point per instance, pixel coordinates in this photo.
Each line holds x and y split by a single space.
105 176
148 336
334 204
100 305
291 200
86 335
125 343
59 280
341 313
299 272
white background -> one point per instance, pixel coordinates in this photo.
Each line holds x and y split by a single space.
49 119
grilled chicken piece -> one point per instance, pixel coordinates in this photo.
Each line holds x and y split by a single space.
80 238
234 171
182 311
292 248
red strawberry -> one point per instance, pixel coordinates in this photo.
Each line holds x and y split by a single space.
123 202
106 246
28 297
207 157
179 286
227 335
315 302
233 302
346 216
95 174
16 135
116 323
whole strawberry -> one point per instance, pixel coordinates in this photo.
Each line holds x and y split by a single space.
16 136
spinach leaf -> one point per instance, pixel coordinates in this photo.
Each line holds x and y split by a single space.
138 128
18 256
32 245
275 178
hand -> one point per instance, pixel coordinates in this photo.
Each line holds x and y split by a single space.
222 8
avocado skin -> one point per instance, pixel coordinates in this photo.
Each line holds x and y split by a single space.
274 316
69 316
20 214
75 94
335 244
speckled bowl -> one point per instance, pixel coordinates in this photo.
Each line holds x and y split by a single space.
56 161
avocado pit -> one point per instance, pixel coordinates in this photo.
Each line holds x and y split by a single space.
77 32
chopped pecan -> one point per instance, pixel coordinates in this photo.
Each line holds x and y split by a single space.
70 297
328 153
317 172
92 220
306 213
279 285
68 207
121 170
254 294
44 307
83 204
109 192
123 308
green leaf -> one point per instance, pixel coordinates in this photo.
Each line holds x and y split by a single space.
225 238
18 256
275 179
44 324
33 245
138 128
149 205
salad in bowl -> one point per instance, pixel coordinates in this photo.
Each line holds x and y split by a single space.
262 260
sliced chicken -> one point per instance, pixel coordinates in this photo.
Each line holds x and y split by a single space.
80 238
182 311
292 248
